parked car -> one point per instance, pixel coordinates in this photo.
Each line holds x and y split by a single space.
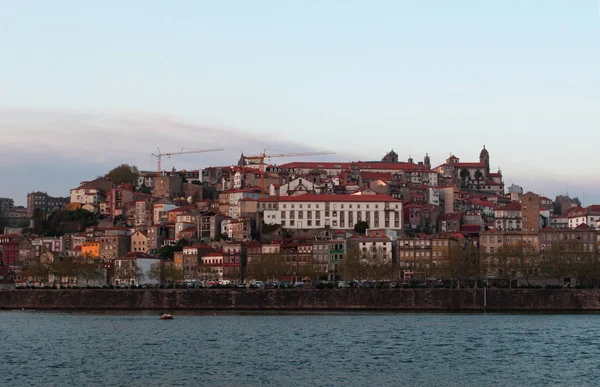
343 284
299 284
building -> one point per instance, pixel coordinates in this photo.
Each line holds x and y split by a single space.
212 266
144 212
114 246
530 209
6 205
451 222
134 269
497 264
9 248
509 217
234 260
472 176
419 257
116 199
44 202
583 236
161 210
168 186
139 242
90 249
237 229
334 211
588 215
92 192
192 259
373 251
492 240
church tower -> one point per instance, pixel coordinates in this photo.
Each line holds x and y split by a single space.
390 157
484 158
427 161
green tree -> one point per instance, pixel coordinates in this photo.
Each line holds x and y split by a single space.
361 227
124 173
464 177
168 251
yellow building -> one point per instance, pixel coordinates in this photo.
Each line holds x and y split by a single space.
90 249
139 242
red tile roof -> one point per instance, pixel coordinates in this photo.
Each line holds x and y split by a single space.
385 176
452 216
469 165
513 206
331 198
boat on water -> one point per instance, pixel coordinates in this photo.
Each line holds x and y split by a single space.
166 316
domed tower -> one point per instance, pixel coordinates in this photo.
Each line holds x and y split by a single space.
410 159
484 157
427 161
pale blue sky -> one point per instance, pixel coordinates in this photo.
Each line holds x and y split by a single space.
354 77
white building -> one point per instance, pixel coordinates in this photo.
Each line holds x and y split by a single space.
434 195
334 211
588 215
125 269
297 187
86 196
372 246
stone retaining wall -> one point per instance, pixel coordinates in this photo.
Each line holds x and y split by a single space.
306 299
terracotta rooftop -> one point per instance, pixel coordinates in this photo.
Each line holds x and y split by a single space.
331 198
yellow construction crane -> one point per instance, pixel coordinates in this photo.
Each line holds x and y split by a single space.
261 161
159 155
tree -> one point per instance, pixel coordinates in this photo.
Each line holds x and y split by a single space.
352 266
464 177
128 272
89 271
267 267
37 271
361 227
165 272
378 264
478 177
124 173
462 264
168 251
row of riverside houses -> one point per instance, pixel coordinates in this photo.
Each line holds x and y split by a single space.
301 218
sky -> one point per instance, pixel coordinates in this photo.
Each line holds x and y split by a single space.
86 86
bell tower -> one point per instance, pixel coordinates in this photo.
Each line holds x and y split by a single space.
484 158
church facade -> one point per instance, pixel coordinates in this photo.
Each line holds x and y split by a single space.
474 177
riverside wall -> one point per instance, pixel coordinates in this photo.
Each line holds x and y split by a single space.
306 299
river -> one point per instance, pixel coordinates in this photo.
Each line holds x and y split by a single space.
322 349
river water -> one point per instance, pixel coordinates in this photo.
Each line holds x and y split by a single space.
80 349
